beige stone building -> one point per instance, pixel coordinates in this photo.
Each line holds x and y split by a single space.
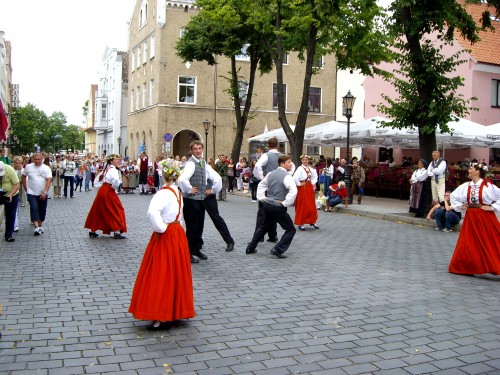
167 95
90 133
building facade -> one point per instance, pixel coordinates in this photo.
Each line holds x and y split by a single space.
110 101
5 79
90 132
168 96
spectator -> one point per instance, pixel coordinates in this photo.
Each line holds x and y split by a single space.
305 178
328 173
9 189
446 218
338 193
222 169
4 157
418 189
357 180
69 168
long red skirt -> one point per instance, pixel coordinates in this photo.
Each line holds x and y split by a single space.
305 205
163 289
478 246
107 213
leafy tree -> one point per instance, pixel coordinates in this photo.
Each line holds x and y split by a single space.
85 111
424 81
27 121
222 28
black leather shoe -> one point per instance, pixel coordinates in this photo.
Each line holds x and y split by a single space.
93 235
275 253
272 239
162 326
119 236
10 239
230 246
194 260
200 255
250 251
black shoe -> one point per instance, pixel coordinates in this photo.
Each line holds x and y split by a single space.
250 251
315 226
230 246
162 326
275 240
275 253
194 260
261 240
119 236
93 235
200 255
301 227
10 239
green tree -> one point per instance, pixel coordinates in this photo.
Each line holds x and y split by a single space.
27 122
352 30
85 111
425 81
222 28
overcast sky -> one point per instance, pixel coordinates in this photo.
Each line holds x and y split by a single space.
57 48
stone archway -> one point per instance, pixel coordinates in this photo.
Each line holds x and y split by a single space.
182 140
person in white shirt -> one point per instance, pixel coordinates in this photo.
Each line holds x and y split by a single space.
69 168
107 213
305 205
276 191
418 189
436 170
37 178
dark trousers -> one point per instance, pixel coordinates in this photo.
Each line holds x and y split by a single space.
253 189
79 181
194 216
213 211
275 214
38 207
446 219
261 216
68 180
10 209
231 183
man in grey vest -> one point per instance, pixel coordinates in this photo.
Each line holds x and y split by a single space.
276 191
193 184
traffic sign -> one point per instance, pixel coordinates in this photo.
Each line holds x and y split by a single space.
168 137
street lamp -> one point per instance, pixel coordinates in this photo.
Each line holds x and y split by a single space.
206 126
348 104
119 139
213 127
57 138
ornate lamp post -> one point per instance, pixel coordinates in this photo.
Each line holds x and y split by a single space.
348 104
119 140
206 126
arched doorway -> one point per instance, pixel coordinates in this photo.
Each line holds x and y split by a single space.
182 140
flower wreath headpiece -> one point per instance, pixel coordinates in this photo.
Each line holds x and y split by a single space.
109 158
305 156
484 167
170 167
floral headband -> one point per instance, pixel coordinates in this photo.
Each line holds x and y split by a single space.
305 156
484 167
112 156
170 167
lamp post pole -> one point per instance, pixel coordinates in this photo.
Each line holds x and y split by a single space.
206 126
348 104
214 127
119 140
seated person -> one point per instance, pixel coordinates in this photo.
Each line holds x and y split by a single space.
446 218
337 192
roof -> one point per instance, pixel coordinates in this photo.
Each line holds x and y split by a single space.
487 50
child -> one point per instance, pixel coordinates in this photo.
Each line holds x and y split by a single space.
320 200
245 176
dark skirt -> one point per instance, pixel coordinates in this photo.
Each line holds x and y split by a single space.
417 201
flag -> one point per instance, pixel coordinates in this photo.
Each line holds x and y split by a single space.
3 123
142 148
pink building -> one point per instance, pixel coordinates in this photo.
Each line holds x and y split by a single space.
481 73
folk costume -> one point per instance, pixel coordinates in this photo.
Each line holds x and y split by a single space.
305 204
107 213
418 191
163 290
436 171
477 250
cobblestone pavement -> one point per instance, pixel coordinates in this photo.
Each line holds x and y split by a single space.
358 296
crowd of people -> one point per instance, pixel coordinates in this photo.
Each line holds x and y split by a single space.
185 188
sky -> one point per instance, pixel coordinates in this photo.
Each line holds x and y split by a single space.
57 48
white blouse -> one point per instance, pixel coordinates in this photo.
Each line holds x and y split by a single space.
112 177
301 175
490 196
163 209
419 175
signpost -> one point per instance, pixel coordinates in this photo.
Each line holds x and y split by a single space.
168 138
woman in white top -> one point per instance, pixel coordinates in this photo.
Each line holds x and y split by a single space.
305 178
163 290
418 189
107 213
477 250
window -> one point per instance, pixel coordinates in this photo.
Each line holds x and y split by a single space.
132 100
243 55
285 59
111 110
243 91
315 99
495 93
144 92
152 44
143 15
182 31
139 57
151 92
145 56
104 111
312 150
133 61
186 90
137 92
275 95
318 62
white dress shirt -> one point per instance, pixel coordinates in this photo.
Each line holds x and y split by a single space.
301 175
163 209
289 183
491 195
188 171
259 173
431 171
112 177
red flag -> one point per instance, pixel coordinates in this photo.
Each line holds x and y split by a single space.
3 123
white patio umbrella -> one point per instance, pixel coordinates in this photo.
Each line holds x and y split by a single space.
278 133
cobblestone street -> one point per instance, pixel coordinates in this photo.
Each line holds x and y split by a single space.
358 296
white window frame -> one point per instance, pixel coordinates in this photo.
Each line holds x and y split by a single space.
133 60
104 111
194 85
320 100
152 47
319 63
144 96
143 13
243 55
311 150
182 31
139 55
132 100
243 98
285 89
151 91
145 55
137 97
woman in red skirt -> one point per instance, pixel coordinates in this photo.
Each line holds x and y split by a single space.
163 290
477 250
107 213
305 204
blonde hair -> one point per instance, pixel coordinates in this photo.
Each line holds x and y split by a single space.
341 184
171 170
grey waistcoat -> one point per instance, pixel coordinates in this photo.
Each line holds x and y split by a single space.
198 180
276 189
272 163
